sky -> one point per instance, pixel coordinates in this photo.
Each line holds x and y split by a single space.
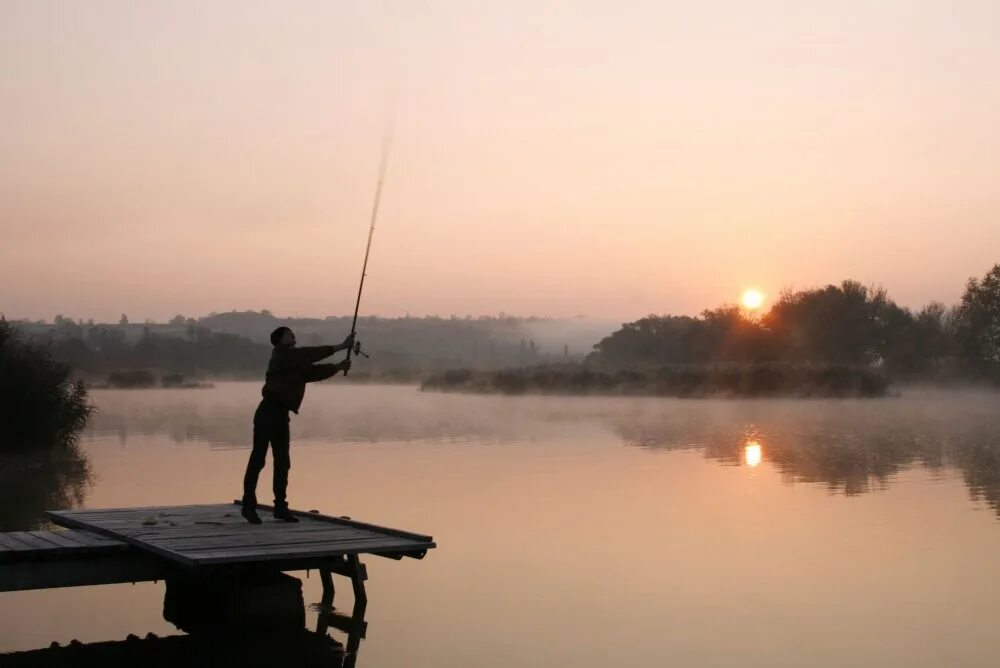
548 158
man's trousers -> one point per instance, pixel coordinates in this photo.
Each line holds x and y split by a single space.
270 427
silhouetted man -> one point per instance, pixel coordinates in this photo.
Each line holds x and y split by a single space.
288 372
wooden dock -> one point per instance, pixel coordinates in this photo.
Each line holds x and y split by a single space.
216 534
49 559
104 546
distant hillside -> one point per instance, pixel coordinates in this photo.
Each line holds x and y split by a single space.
235 344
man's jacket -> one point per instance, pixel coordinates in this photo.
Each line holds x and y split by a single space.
290 369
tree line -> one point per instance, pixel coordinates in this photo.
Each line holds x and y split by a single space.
235 344
847 324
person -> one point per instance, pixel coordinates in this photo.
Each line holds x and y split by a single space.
288 372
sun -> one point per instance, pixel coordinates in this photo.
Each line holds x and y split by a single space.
752 299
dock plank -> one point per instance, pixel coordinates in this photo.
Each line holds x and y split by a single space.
9 543
233 530
92 540
49 545
57 539
260 542
33 542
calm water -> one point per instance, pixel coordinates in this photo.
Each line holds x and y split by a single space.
596 532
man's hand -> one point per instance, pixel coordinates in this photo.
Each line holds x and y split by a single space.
345 366
348 343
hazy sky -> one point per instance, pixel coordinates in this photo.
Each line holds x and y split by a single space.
550 158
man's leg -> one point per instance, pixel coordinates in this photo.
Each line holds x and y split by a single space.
258 455
280 444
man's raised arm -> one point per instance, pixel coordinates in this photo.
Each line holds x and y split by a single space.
316 372
310 354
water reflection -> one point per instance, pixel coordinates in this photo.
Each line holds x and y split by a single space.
292 649
30 483
752 454
253 624
846 460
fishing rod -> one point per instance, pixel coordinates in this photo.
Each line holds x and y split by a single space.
386 141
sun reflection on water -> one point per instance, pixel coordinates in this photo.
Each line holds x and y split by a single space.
752 454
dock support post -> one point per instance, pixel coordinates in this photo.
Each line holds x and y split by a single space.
349 566
328 591
358 576
355 626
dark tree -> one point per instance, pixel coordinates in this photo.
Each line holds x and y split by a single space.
39 404
977 323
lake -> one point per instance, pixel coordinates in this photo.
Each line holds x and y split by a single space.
595 531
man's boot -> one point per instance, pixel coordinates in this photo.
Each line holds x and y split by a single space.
250 514
281 513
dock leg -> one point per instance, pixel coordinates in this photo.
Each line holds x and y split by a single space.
354 626
358 574
358 627
328 591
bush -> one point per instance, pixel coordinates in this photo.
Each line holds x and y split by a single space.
39 405
131 378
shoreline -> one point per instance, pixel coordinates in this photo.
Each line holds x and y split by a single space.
768 380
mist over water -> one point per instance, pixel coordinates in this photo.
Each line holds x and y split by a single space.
596 531
851 445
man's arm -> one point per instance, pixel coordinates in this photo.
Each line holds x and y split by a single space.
310 354
316 372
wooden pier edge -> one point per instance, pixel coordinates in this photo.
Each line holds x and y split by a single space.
361 525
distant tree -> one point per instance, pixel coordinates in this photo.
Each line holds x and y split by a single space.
123 320
839 324
724 334
915 343
933 336
977 322
178 320
729 334
67 328
108 341
74 352
650 340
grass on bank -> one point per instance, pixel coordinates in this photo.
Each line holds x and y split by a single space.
769 379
